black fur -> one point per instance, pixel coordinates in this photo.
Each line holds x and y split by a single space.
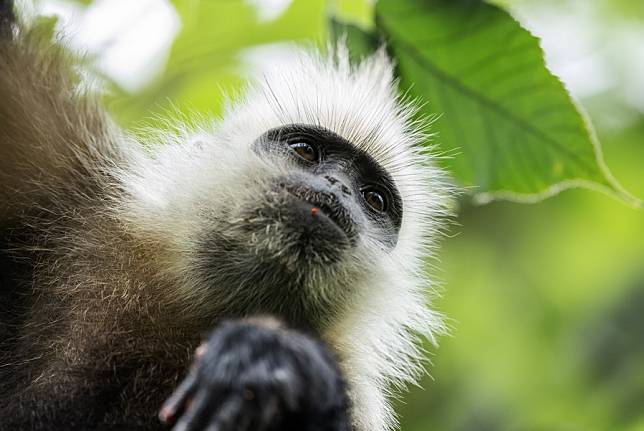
255 377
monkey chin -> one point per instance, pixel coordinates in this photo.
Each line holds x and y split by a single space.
292 241
297 230
312 232
283 256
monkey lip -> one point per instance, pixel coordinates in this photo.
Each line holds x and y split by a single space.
323 206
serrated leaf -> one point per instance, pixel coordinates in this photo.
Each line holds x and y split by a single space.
511 126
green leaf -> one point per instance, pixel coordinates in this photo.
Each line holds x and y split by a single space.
360 43
510 125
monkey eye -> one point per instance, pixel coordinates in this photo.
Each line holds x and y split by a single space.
305 150
375 199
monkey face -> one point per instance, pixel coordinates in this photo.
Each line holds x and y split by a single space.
333 192
319 207
293 203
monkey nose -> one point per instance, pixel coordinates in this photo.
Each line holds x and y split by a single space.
335 182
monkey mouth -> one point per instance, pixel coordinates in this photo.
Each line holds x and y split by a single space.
297 227
322 208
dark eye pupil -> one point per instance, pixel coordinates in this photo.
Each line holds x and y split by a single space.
375 200
305 151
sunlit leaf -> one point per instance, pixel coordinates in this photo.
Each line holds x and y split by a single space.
513 129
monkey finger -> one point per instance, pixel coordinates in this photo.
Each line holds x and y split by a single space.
175 405
232 415
196 413
200 351
268 415
259 412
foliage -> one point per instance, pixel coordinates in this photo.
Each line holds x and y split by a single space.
509 125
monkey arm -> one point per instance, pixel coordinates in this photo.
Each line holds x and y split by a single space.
56 139
257 375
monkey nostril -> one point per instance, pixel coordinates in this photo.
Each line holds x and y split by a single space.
330 179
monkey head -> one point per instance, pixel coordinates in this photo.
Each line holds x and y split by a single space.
310 192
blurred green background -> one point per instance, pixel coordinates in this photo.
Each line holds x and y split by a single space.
546 301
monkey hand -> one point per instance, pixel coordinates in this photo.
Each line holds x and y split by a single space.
257 375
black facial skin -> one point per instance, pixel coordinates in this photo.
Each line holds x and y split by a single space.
350 177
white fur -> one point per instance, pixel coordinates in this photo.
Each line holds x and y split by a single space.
376 337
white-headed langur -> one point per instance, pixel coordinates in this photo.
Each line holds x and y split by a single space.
294 231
